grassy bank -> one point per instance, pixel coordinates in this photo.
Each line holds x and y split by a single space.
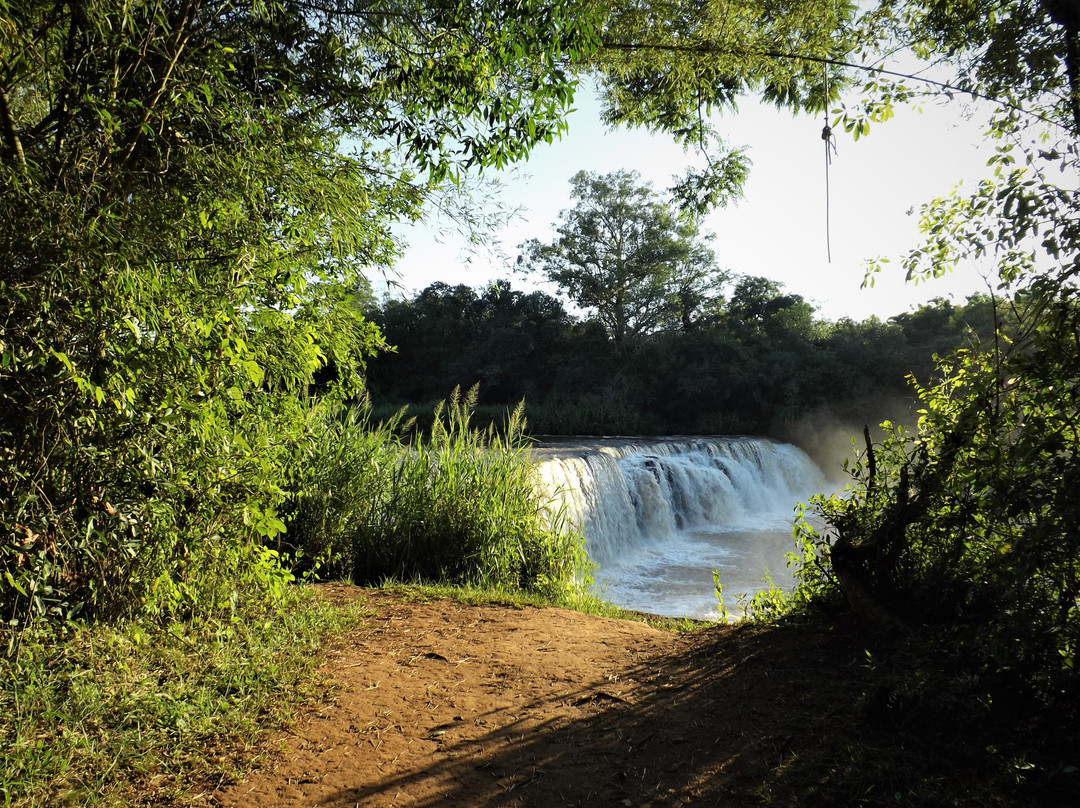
105 715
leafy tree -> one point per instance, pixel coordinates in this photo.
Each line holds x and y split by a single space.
508 342
189 193
967 525
940 323
623 254
524 339
760 306
668 68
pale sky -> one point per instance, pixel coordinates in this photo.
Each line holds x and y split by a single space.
778 229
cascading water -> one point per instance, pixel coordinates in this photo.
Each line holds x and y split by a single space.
660 515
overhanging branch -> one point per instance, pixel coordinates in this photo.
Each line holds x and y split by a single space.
11 131
942 86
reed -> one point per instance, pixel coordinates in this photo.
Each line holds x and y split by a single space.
422 415
457 505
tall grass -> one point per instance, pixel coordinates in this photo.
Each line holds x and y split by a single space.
457 506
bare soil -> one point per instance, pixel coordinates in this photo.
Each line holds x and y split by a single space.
440 703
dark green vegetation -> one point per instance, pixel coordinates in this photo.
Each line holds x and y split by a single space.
192 193
961 539
758 362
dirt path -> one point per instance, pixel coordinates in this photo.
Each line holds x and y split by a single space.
446 704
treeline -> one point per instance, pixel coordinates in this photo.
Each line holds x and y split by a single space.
758 363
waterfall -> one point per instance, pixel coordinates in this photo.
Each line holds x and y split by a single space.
655 512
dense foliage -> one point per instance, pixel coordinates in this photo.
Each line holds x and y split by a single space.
759 363
189 193
668 68
965 531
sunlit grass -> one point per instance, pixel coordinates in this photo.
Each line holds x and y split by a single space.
93 715
582 601
455 505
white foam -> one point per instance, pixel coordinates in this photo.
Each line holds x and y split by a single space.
660 516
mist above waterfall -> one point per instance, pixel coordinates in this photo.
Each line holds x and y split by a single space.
660 515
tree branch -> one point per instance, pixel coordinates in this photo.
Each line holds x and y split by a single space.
11 131
943 86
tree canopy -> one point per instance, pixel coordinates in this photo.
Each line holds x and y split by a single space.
669 67
624 254
190 193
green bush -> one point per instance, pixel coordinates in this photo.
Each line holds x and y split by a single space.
969 526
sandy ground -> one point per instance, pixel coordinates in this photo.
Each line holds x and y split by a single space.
438 703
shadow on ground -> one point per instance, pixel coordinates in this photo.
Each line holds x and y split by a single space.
443 704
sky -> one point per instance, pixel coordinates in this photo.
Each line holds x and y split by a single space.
778 228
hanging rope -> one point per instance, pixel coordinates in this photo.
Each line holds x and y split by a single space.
830 150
